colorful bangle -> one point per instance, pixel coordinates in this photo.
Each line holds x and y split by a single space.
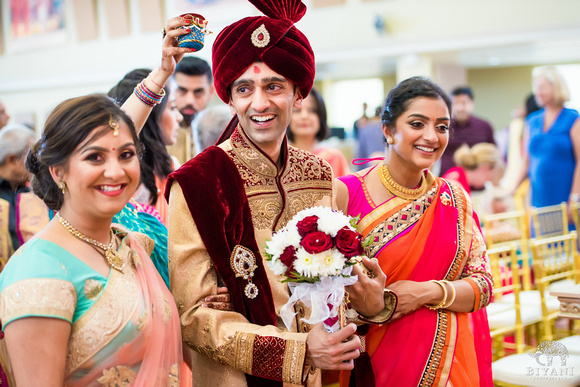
146 96
453 293
444 301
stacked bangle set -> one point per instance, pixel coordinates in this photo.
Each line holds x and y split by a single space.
443 303
146 96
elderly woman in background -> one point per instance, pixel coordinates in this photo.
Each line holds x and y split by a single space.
427 241
81 303
308 127
552 143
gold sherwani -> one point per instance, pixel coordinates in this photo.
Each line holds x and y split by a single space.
226 345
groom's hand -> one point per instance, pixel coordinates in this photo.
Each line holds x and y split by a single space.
332 351
366 295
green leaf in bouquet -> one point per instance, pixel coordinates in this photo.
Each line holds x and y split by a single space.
300 278
367 241
354 221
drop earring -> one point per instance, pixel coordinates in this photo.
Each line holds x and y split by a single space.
62 186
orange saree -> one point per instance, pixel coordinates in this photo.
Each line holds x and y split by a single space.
434 237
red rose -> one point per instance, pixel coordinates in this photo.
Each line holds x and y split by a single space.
316 242
288 256
307 225
348 242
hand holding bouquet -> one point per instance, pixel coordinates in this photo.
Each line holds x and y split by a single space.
315 253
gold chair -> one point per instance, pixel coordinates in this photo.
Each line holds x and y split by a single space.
550 221
508 317
575 214
505 229
555 260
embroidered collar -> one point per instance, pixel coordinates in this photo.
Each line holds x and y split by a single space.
254 158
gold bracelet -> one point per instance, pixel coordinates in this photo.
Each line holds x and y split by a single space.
444 301
453 294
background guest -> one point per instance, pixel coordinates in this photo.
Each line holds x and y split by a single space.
194 90
308 127
15 140
552 143
210 124
476 165
465 127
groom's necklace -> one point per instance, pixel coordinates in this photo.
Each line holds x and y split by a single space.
398 190
113 258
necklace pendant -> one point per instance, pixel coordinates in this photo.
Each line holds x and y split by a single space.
114 260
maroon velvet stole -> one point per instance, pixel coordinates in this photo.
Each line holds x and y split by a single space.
215 196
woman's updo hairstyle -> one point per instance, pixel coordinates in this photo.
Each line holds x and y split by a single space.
68 126
482 153
402 95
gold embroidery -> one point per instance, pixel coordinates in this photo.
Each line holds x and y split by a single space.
38 296
400 221
276 196
224 354
174 376
294 353
117 376
92 288
115 307
244 351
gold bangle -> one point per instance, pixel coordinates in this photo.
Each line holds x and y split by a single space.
444 301
453 293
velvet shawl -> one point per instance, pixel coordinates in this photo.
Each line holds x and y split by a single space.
273 39
220 209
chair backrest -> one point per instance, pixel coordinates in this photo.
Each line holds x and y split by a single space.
575 214
504 266
555 259
550 221
505 271
507 229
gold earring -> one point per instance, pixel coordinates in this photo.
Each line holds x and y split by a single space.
62 186
390 140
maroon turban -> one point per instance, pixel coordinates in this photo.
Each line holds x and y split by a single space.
273 39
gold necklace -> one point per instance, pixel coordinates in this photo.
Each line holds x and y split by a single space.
398 190
113 258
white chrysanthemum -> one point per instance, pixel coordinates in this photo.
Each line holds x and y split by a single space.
333 221
281 240
329 263
304 263
277 266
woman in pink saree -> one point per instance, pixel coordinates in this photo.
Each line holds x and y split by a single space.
427 240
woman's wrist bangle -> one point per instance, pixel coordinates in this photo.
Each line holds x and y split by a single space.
444 301
574 197
453 293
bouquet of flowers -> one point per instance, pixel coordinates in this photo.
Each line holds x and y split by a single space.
315 252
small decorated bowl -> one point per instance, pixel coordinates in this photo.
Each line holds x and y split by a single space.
194 39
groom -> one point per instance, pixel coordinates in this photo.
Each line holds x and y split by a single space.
226 202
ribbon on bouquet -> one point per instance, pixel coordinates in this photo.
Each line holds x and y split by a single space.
323 299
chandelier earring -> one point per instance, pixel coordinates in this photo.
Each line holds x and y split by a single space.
62 186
